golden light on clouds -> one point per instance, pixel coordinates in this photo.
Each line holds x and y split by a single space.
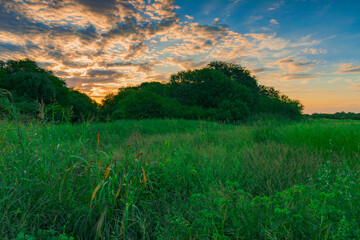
99 46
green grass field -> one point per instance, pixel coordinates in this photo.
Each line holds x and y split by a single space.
180 179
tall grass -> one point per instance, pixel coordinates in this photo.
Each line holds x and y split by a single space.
178 179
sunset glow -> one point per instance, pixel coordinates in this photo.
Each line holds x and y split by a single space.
308 49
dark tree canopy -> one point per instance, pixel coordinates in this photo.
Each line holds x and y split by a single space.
236 73
220 91
204 87
37 92
25 65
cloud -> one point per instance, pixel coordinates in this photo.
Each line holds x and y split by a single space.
4 47
273 21
135 50
259 36
253 19
259 70
292 66
314 51
145 67
356 87
72 36
61 74
348 68
98 46
274 43
189 63
102 73
158 78
276 6
305 41
298 76
103 6
75 64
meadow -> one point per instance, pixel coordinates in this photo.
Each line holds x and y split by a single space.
180 179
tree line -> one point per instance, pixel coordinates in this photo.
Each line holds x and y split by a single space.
337 115
220 91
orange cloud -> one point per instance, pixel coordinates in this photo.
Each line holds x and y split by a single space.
99 46
292 66
348 68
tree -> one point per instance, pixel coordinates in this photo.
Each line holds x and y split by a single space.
156 87
32 87
146 104
220 91
205 87
36 86
272 101
24 65
232 110
236 73
81 104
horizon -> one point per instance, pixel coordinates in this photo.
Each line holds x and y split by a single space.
305 49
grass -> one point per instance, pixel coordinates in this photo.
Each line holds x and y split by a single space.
180 179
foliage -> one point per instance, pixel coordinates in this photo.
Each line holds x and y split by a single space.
205 88
32 87
146 104
221 91
236 110
43 235
272 101
81 104
236 73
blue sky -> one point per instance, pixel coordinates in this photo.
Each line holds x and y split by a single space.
308 49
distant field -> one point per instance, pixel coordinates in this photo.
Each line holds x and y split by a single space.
180 179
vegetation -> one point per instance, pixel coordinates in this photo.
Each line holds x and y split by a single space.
37 93
180 179
268 178
337 115
220 91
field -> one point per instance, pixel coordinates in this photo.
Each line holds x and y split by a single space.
180 179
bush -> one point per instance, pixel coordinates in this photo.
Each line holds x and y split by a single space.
231 111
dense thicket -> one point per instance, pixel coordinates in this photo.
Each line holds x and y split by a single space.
35 92
220 91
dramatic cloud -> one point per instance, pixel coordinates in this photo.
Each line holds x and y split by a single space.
101 73
99 46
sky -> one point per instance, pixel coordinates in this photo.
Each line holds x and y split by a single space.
307 49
